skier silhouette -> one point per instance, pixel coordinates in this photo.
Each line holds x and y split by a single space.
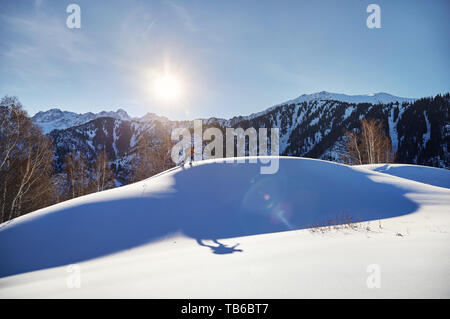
221 249
192 154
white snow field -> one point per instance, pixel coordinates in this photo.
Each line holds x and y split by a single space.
222 230
424 174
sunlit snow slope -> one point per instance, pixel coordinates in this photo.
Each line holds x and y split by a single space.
424 174
219 229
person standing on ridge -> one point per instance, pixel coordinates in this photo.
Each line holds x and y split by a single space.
192 154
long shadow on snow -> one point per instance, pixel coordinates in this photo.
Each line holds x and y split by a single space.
209 201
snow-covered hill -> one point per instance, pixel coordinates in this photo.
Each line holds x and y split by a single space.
220 229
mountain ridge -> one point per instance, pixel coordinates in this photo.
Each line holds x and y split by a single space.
419 131
56 118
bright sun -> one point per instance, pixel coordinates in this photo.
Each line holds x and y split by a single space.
168 88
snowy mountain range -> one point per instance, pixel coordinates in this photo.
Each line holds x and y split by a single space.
311 125
373 98
56 119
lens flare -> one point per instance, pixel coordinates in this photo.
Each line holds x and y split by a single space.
265 198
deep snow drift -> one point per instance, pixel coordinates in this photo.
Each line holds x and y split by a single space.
428 175
192 233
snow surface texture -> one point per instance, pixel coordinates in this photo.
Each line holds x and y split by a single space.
221 230
424 174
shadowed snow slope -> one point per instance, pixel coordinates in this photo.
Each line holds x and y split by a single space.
222 230
209 200
428 175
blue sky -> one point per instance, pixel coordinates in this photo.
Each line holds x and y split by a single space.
233 57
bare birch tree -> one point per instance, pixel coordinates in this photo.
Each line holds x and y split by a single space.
26 157
103 175
151 159
77 175
369 146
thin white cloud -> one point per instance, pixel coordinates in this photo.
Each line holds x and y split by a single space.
41 40
184 15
